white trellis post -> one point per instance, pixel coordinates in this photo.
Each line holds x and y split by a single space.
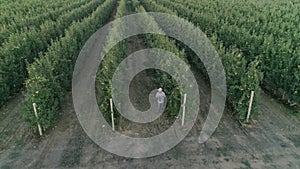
36 116
112 114
183 109
250 106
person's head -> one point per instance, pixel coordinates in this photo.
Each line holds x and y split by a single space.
160 90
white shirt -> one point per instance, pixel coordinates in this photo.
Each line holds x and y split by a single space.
160 97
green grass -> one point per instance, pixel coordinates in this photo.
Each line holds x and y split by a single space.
246 163
6 166
295 139
71 156
267 158
223 151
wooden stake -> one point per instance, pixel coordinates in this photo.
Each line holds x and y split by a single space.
36 116
250 106
183 109
112 115
111 105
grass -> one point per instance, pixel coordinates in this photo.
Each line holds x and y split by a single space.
267 158
223 151
6 167
71 156
246 163
297 156
177 152
295 139
227 159
295 113
12 156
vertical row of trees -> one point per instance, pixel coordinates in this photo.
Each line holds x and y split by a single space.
110 63
162 79
50 76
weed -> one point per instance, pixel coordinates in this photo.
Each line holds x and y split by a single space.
246 163
267 158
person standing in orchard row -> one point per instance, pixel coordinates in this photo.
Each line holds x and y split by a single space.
160 95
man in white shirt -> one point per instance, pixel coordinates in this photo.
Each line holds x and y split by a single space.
160 95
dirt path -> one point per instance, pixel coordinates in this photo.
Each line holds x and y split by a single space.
140 88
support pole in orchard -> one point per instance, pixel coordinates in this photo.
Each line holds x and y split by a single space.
36 116
112 114
183 109
250 106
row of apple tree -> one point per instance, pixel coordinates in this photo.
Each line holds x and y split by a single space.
50 76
